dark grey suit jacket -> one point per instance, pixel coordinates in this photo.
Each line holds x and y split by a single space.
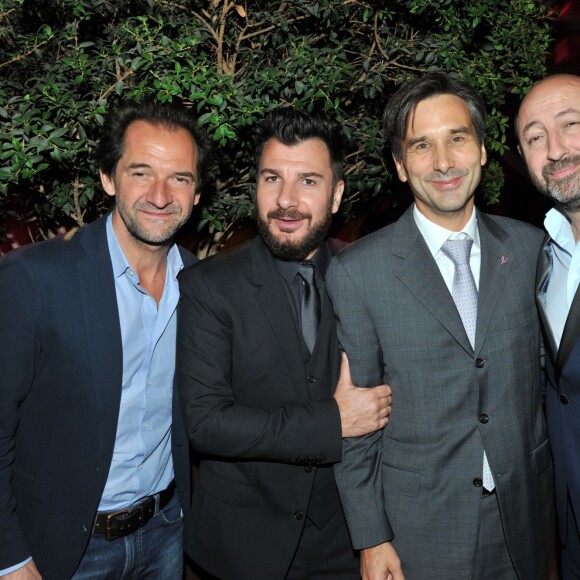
262 418
562 397
60 387
414 483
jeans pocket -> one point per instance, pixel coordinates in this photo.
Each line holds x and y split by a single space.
171 513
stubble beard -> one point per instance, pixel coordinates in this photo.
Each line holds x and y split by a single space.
290 250
145 234
566 191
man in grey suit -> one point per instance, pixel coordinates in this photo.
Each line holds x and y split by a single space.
459 483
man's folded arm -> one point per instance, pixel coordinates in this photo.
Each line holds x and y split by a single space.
307 432
359 476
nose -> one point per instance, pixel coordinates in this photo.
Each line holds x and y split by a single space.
443 159
287 197
160 194
557 147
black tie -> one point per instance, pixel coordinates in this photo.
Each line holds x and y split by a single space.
310 306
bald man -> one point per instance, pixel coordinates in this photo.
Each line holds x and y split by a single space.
548 128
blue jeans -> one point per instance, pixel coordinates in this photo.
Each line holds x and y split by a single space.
154 552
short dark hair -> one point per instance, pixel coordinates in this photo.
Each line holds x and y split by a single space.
291 127
403 103
173 116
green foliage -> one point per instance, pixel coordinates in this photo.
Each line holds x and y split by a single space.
65 63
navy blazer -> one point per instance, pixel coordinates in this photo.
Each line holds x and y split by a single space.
562 397
60 388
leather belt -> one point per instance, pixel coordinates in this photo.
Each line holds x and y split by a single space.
121 523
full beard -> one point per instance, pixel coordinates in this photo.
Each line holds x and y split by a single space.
290 250
565 191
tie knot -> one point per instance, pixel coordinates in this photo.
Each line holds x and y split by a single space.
458 251
306 272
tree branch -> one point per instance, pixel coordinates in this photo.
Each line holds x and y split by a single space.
78 213
26 54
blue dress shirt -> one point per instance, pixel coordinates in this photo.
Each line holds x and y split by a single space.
142 464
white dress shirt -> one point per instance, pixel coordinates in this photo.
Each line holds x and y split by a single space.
565 271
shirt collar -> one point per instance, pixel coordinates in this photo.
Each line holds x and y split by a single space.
119 260
435 235
288 270
557 225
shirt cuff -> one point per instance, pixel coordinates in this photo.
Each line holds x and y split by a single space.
16 567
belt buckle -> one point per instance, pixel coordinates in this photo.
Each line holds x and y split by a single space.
111 534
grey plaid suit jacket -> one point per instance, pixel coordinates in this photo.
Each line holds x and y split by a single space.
414 482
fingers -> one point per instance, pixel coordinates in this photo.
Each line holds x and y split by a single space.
381 392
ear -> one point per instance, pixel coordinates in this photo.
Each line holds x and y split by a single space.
196 197
483 155
400 169
520 150
107 183
337 196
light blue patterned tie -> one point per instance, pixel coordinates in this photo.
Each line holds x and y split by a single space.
465 298
464 289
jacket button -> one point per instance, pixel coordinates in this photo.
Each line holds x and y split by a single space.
483 418
298 515
311 378
480 363
308 469
478 482
564 399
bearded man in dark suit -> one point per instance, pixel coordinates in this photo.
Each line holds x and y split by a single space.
258 362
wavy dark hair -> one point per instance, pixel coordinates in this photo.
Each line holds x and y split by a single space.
403 103
170 115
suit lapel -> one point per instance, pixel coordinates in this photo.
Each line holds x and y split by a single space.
421 275
272 298
496 264
103 329
570 334
543 270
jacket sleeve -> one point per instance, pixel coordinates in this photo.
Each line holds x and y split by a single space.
218 421
19 310
359 476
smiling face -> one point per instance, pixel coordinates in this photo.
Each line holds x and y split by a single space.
296 197
442 160
549 134
154 184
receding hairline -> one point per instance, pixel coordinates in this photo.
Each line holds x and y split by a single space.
552 79
458 129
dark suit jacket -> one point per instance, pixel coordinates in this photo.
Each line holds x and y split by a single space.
60 387
418 481
262 417
562 397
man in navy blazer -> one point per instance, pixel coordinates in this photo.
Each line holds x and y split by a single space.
92 445
548 127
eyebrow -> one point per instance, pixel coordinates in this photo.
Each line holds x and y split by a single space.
531 124
147 166
457 131
300 174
